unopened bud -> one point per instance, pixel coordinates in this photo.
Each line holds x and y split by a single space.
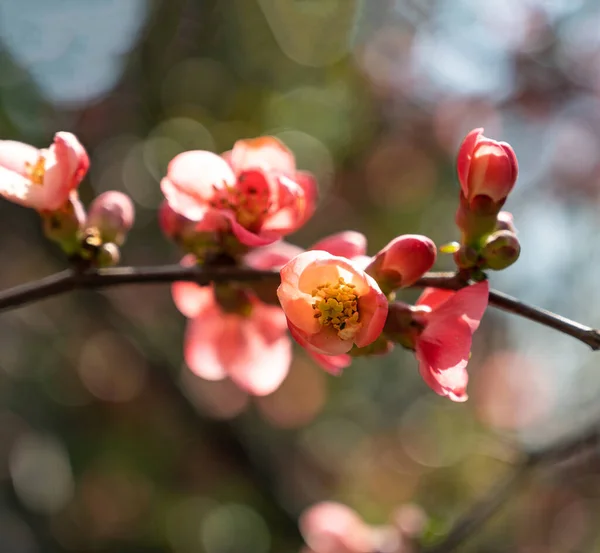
505 221
486 167
402 262
466 257
108 255
65 224
501 250
112 213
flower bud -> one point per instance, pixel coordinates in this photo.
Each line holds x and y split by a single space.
402 262
112 213
505 221
486 167
466 257
501 250
108 255
64 225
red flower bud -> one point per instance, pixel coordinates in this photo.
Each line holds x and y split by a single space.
403 261
486 167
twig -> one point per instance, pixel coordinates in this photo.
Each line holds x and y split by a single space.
587 335
483 510
69 280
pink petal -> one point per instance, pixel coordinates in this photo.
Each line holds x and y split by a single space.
443 353
330 527
249 238
348 244
206 337
434 297
308 183
263 363
373 309
463 161
273 256
333 364
265 153
15 188
183 203
191 181
71 157
327 341
191 299
14 155
469 303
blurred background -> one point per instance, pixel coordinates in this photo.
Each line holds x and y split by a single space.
108 443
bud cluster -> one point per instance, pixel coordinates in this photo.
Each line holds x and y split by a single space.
487 172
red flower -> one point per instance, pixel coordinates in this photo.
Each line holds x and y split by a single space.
443 348
254 189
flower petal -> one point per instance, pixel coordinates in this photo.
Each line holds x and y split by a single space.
266 153
205 338
273 256
348 244
463 161
373 309
264 361
191 181
443 354
468 303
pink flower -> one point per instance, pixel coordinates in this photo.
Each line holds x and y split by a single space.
443 348
252 349
255 189
42 179
486 167
330 527
330 303
403 261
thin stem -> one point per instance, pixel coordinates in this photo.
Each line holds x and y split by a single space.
69 280
482 511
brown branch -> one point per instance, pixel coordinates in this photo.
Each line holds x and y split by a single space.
69 280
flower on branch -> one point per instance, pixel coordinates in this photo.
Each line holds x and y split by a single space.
254 190
330 303
403 261
42 179
250 346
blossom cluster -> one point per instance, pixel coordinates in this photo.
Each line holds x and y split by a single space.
333 299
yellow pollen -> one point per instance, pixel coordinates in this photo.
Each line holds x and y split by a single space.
336 305
36 170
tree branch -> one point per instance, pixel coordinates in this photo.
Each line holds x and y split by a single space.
71 279
587 441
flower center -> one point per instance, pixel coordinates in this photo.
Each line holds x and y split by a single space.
35 171
336 306
248 199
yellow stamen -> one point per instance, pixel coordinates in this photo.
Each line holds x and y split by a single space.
37 170
336 305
